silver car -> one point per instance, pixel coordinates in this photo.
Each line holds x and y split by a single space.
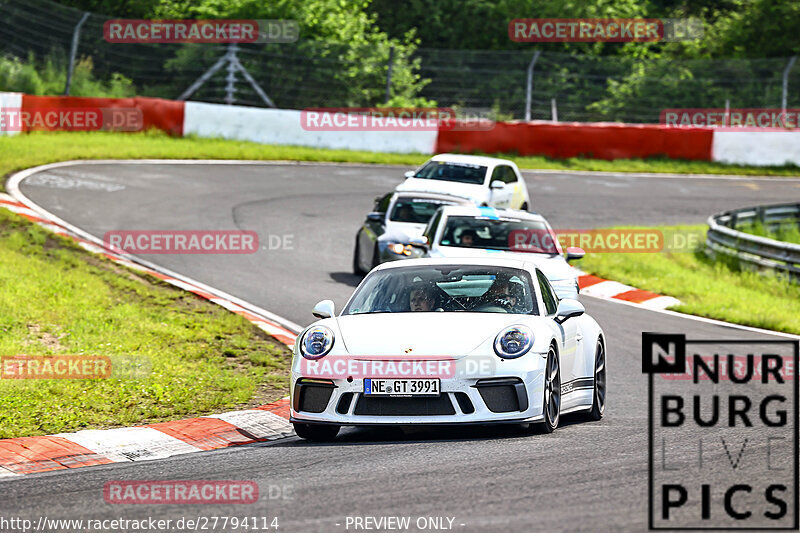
397 219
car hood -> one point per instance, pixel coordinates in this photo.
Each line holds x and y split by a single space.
476 192
555 267
421 334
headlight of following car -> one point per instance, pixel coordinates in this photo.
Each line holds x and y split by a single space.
317 342
406 250
513 342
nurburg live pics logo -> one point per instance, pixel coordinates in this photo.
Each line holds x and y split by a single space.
722 433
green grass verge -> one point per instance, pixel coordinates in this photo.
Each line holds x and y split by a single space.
714 289
787 232
58 299
23 151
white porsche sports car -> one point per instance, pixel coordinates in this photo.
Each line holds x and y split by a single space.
443 341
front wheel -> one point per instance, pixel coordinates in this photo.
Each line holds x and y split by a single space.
316 432
551 406
599 401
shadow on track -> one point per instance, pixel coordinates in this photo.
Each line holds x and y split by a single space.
377 435
346 278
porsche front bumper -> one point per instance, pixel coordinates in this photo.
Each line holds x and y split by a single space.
512 393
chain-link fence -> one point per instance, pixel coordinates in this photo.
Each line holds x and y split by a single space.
311 73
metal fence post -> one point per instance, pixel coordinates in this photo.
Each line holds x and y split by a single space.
76 34
230 85
553 110
786 82
536 55
389 75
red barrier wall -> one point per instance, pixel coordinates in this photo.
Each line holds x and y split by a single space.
600 141
166 115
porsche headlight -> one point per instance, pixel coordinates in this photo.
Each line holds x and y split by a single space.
513 342
317 342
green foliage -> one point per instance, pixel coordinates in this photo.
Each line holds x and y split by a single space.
786 230
718 289
48 77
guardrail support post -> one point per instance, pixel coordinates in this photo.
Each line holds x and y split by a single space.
536 55
786 82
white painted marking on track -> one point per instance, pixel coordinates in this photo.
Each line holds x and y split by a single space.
259 423
606 289
130 444
660 302
7 473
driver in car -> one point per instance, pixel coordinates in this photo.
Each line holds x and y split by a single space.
468 238
421 299
504 293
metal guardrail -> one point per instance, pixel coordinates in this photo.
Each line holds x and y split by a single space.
760 253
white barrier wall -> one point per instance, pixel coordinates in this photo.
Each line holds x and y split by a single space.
12 101
758 148
283 127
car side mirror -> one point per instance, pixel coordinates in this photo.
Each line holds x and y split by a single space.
375 216
324 309
568 308
573 252
497 184
419 242
409 174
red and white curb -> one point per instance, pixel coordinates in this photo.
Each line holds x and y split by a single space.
613 290
29 455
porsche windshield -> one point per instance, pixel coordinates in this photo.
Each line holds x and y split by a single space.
459 172
493 233
445 288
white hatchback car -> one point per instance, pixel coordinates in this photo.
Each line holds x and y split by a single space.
488 181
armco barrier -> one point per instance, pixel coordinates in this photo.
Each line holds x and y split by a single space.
166 115
559 140
600 141
759 252
284 127
9 101
757 148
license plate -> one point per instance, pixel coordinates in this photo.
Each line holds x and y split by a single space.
401 387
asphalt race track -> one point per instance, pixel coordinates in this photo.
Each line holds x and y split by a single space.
585 476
